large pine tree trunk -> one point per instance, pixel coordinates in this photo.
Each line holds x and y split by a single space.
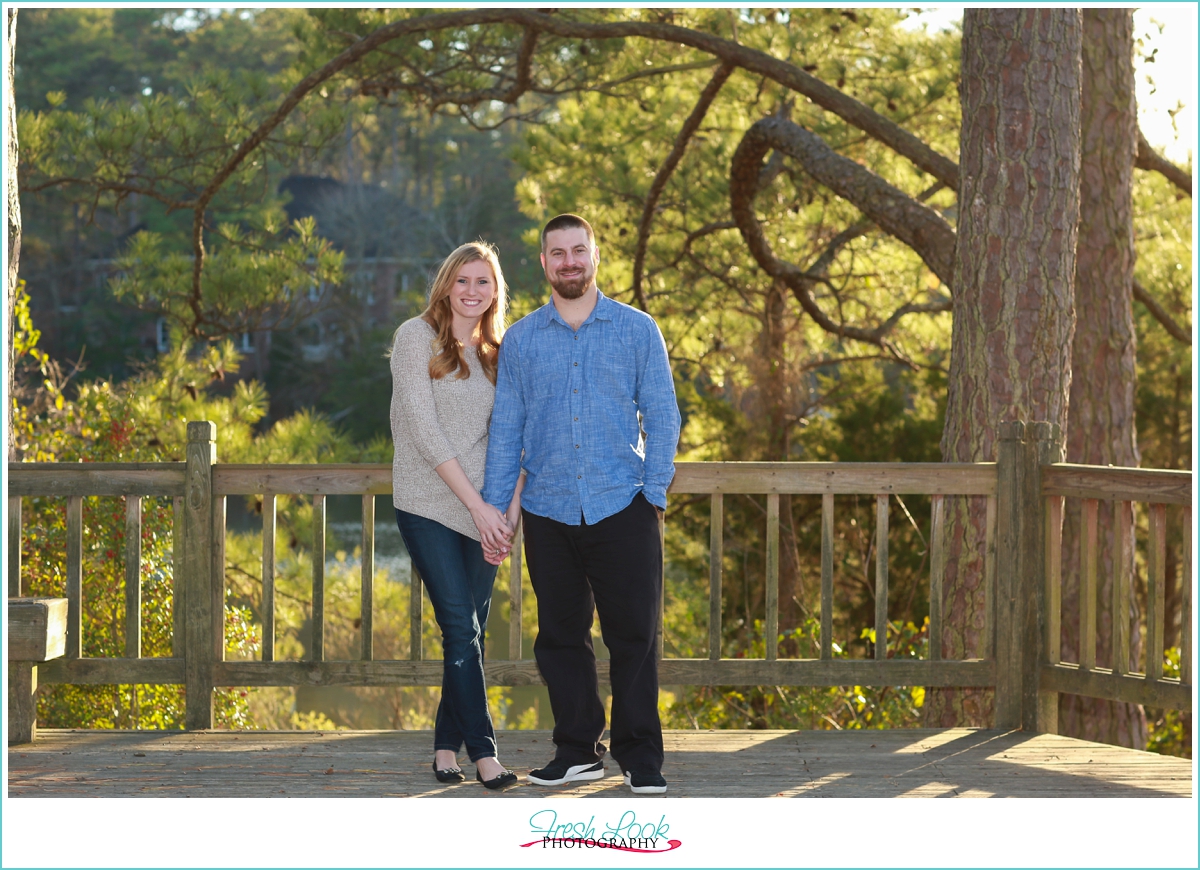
1013 278
1101 427
14 209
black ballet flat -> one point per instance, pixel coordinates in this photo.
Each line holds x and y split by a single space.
503 781
448 774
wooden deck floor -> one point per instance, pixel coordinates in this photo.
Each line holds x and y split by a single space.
916 763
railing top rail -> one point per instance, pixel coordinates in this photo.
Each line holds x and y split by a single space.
95 478
314 479
1154 485
800 478
816 478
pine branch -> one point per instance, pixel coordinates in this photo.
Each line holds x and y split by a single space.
1149 159
690 126
892 210
1179 333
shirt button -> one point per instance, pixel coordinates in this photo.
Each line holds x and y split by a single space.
579 477
576 446
576 365
577 338
576 419
574 391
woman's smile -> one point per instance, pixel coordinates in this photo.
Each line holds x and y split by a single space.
471 295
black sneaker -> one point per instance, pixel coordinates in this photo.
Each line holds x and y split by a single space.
645 780
559 772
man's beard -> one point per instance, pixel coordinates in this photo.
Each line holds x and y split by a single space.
572 288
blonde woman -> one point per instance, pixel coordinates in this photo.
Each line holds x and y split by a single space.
443 382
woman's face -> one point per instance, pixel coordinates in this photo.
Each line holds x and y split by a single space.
472 293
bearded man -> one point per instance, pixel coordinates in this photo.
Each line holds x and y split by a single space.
585 408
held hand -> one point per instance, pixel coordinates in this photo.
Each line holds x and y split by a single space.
493 557
494 532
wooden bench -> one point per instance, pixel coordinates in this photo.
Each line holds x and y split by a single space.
37 632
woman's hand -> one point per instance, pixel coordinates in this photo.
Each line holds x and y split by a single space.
496 556
494 532
493 528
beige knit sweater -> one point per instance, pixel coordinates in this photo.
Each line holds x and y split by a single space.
434 421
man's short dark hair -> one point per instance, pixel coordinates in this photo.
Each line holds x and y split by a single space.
567 222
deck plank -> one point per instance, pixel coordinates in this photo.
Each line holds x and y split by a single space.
912 763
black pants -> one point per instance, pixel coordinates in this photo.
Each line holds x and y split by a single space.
613 567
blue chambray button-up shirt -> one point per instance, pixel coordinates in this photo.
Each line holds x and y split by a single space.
593 410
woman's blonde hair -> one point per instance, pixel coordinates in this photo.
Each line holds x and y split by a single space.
448 354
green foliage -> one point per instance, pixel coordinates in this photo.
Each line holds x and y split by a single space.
1163 239
142 419
150 154
244 286
89 52
1170 730
777 707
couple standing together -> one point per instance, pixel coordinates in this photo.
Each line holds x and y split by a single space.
570 423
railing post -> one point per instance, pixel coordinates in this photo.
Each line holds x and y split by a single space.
1009 479
1020 583
197 569
1048 447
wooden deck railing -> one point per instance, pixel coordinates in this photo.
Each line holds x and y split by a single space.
1023 492
1118 489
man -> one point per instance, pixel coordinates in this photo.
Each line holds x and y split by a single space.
585 405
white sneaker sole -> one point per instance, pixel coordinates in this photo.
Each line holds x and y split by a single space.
644 789
578 773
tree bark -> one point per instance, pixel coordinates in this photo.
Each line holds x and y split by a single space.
11 192
1101 418
1013 282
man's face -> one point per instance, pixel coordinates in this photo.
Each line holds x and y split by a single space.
569 260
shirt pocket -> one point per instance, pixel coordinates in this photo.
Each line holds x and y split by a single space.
614 375
544 377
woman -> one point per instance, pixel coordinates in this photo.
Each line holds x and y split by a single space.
443 382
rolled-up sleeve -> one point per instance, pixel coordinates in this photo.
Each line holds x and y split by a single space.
660 417
506 431
414 408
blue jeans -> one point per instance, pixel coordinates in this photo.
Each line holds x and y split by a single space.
459 583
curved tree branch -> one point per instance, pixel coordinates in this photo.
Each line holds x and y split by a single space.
820 266
519 86
897 213
690 126
849 109
649 73
826 96
1149 159
1160 314
790 76
302 89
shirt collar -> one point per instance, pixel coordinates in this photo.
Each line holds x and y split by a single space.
603 311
